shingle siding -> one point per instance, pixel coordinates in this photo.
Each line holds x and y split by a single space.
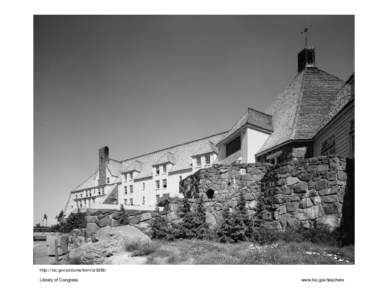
340 128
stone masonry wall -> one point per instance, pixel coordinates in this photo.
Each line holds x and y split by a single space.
223 185
303 192
307 192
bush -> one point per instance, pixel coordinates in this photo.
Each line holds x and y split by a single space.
160 228
193 223
74 221
223 232
236 226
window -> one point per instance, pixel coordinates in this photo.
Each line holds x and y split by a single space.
351 135
164 183
94 200
157 198
198 161
157 170
130 175
157 184
125 201
233 146
207 159
143 200
125 190
328 146
107 180
164 169
131 189
126 176
131 201
143 186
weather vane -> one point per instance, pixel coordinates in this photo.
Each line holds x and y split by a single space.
305 33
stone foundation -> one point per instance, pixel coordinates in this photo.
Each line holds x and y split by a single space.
305 192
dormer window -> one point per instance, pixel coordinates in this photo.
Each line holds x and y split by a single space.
198 161
207 159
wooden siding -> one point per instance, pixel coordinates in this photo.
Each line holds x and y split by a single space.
340 128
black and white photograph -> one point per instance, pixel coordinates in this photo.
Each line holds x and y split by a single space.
194 140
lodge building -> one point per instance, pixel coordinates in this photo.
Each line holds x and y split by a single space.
313 116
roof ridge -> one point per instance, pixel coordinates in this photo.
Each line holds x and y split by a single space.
115 160
301 89
250 108
327 73
170 147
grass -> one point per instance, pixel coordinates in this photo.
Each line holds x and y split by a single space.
208 252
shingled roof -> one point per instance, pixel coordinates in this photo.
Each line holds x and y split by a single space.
180 153
301 108
257 119
343 97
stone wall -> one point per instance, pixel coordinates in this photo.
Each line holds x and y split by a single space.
307 192
303 192
96 219
223 185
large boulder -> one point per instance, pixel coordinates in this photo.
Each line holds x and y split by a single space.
123 235
92 253
110 241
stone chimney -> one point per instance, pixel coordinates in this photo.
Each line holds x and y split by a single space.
306 58
103 158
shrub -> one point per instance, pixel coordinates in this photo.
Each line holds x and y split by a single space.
240 222
74 221
236 226
223 232
193 223
160 228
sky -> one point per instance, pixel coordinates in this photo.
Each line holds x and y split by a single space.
142 83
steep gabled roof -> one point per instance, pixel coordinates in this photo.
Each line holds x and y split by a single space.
167 157
114 167
343 97
257 119
301 108
182 155
205 148
88 182
134 165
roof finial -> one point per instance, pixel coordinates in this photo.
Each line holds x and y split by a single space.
305 33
